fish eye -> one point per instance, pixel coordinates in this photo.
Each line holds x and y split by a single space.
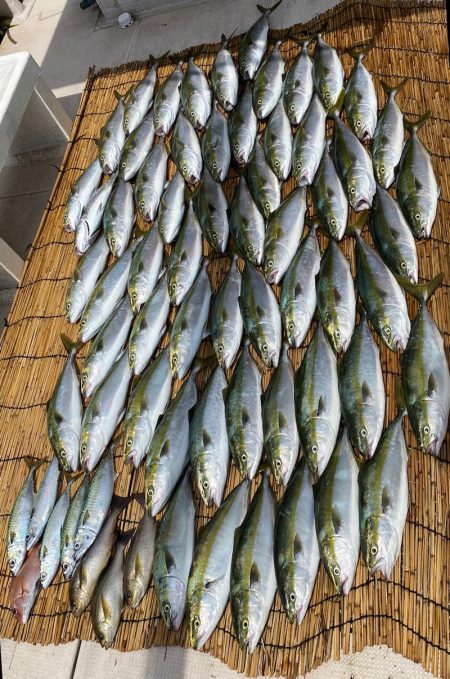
292 597
173 285
83 378
299 165
264 347
426 429
250 247
220 348
132 356
214 165
102 157
244 457
337 333
315 448
156 119
278 463
101 636
214 236
244 63
129 443
134 296
205 485
167 608
43 577
174 359
382 170
327 95
417 216
374 549
336 570
245 624
292 108
196 622
62 452
68 306
83 322
27 537
260 102
83 448
77 545
363 433
333 222
113 242
291 326
267 206
12 563
277 163
270 262
387 330
352 190
65 567
142 204
126 121
358 123
124 164
150 492
192 114
403 265
236 147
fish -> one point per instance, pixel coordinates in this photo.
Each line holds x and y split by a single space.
185 257
360 102
174 549
362 392
253 580
88 269
149 328
106 348
387 144
244 415
215 146
25 587
224 77
393 237
69 529
65 410
268 84
146 404
171 209
296 548
92 215
309 141
189 326
327 72
96 507
196 95
283 234
186 152
261 315
139 562
336 299
298 86
145 269
417 189
90 567
108 291
243 127
329 198
112 137
50 550
80 193
281 439
212 211
381 295
150 182
336 512
108 598
43 503
277 142
227 326
425 373
353 164
208 442
298 290
119 218
247 225
209 578
253 44
168 453
136 148
140 98
167 101
318 409
104 411
262 182
383 500
20 518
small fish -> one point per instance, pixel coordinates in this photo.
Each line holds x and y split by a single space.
65 410
253 43
283 234
268 84
80 193
112 137
417 189
185 257
196 95
277 142
139 561
174 549
171 209
209 579
243 127
212 212
92 215
387 145
253 580
19 519
298 291
224 77
362 392
261 315
227 326
328 74
104 412
150 182
43 503
186 152
360 101
149 328
167 101
309 141
336 512
329 197
69 529
298 85
244 415
87 272
140 98
317 403
336 299
281 440
247 225
146 404
50 551
208 442
25 587
262 182
119 218
296 549
145 269
137 147
215 144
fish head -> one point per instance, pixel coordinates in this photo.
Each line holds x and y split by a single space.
336 220
271 270
118 240
281 455
34 532
136 440
16 553
420 216
176 287
147 206
249 60
198 111
45 575
296 323
339 326
134 592
109 156
92 445
82 237
318 443
88 378
242 146
204 606
247 619
66 448
134 356
380 544
75 301
105 633
340 558
72 213
360 189
296 594
131 119
228 95
172 602
383 172
218 240
163 119
157 482
83 540
429 424
394 328
305 167
363 128
268 349
22 603
68 562
209 474
366 431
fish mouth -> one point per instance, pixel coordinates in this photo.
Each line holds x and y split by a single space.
87 463
362 204
107 169
273 359
365 136
272 276
399 345
346 585
160 131
432 446
421 234
303 178
380 566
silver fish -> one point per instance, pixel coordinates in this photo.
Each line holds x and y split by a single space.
119 218
253 43
298 85
196 95
243 127
262 182
137 147
224 77
145 268
360 101
268 84
186 152
277 142
112 138
139 561
309 141
69 529
167 101
87 272
50 551
212 212
247 225
387 145
171 208
140 98
43 503
227 326
92 215
185 257
150 182
79 194
329 197
215 146
328 74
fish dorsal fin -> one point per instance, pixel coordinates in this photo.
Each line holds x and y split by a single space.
432 385
169 560
320 406
245 417
366 392
336 295
298 547
282 421
106 608
255 575
386 500
165 448
206 439
336 519
260 311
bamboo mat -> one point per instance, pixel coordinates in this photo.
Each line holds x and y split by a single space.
409 613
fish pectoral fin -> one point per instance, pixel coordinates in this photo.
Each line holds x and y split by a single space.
418 184
206 439
184 325
143 325
366 392
169 560
337 295
166 448
44 551
141 267
12 537
184 256
86 516
59 418
83 574
143 407
282 421
320 406
330 192
298 546
255 575
245 417
297 290
386 500
432 385
138 565
260 311
336 519
225 315
66 540
106 608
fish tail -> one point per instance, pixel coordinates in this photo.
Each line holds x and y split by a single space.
303 41
71 346
414 126
120 501
225 40
32 463
357 226
70 477
269 10
157 60
203 362
392 90
421 291
320 30
140 499
360 51
335 111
